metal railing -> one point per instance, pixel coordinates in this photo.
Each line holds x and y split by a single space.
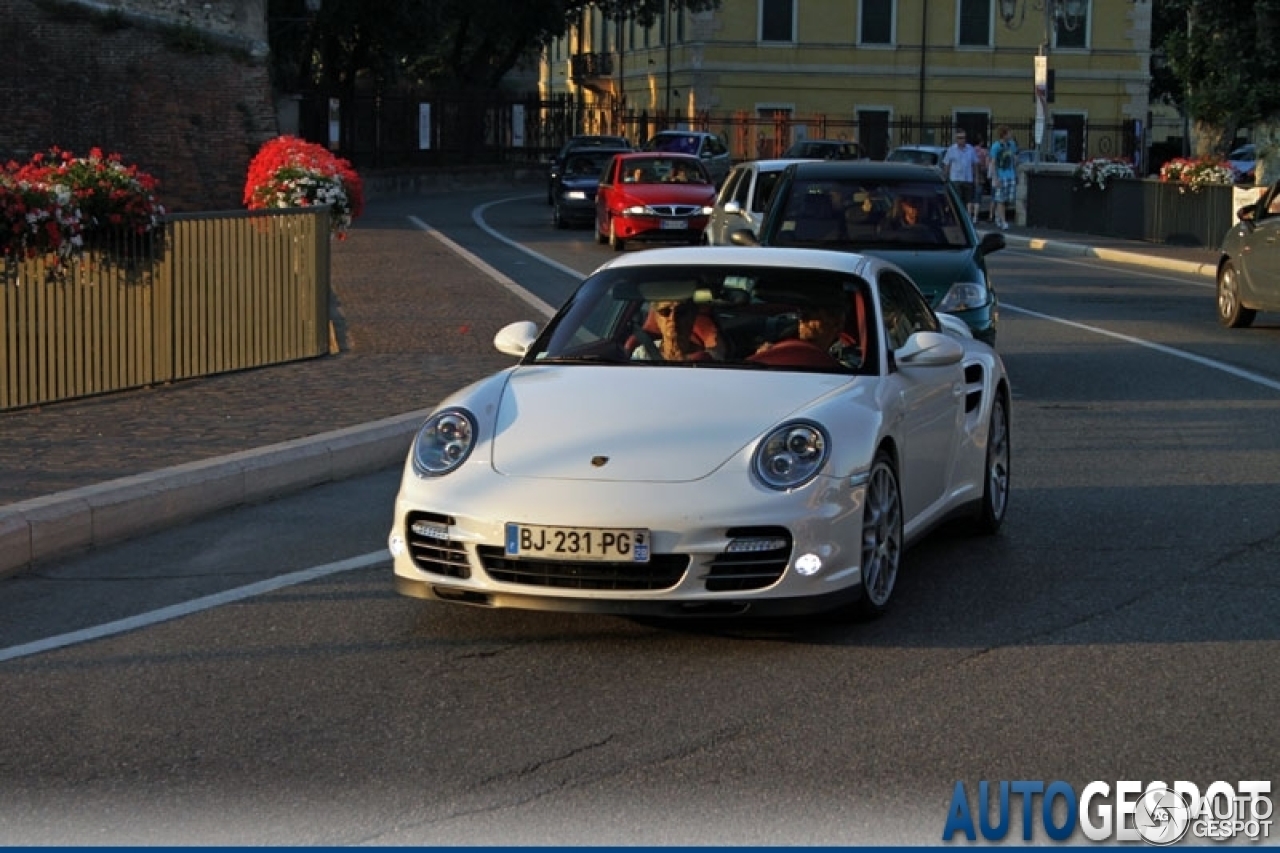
1146 209
211 293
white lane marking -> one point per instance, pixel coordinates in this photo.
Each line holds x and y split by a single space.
1212 364
177 611
488 270
477 216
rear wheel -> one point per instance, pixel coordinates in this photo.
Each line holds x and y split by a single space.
881 538
995 487
1230 312
615 242
600 237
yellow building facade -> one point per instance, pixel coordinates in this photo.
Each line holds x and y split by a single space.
883 72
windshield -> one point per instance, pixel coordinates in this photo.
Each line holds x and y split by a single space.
918 156
664 170
859 214
679 143
587 163
746 318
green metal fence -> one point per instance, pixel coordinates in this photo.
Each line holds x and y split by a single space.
215 292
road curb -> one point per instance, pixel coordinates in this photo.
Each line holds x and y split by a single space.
1081 250
55 525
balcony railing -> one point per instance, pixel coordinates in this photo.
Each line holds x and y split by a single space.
590 66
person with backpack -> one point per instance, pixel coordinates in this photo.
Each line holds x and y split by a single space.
1004 176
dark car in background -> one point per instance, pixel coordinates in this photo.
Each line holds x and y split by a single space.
1249 266
573 193
574 143
866 206
707 147
824 149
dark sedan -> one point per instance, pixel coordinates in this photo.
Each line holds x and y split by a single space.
907 214
575 143
1249 267
824 149
573 194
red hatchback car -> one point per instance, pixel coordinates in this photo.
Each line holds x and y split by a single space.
653 196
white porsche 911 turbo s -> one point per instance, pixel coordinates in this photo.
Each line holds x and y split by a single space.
708 431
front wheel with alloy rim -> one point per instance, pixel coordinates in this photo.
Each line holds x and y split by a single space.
995 486
1230 312
881 538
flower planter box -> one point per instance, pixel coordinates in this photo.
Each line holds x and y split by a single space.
1147 209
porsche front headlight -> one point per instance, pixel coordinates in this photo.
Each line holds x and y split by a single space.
444 442
791 455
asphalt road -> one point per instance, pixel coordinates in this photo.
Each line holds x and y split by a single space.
1122 626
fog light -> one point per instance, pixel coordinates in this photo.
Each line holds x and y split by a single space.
395 544
756 545
808 564
430 529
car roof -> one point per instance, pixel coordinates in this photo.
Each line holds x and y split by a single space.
774 164
837 169
681 133
919 148
657 155
750 256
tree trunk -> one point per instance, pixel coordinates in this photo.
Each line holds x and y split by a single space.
1266 135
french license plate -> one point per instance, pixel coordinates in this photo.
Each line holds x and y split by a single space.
674 225
578 543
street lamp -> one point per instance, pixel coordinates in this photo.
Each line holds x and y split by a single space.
1067 14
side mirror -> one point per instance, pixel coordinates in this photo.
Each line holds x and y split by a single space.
1248 213
992 241
929 349
733 208
516 338
743 237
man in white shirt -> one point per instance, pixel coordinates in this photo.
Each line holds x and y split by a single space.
960 165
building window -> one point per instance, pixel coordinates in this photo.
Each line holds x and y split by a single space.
777 19
974 26
1071 28
875 22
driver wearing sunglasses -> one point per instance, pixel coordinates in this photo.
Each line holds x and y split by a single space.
675 331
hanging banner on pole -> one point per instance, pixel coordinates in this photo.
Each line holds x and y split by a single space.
1042 95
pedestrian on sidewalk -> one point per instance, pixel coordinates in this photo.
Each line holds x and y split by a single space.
1004 176
960 164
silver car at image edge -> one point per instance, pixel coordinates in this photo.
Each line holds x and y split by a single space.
768 476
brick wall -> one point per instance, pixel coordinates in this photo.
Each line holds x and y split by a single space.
179 87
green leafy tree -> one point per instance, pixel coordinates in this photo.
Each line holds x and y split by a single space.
1225 54
464 44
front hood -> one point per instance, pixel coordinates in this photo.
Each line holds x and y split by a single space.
933 271
657 424
587 185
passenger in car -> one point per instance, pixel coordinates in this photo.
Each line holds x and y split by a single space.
821 339
676 331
